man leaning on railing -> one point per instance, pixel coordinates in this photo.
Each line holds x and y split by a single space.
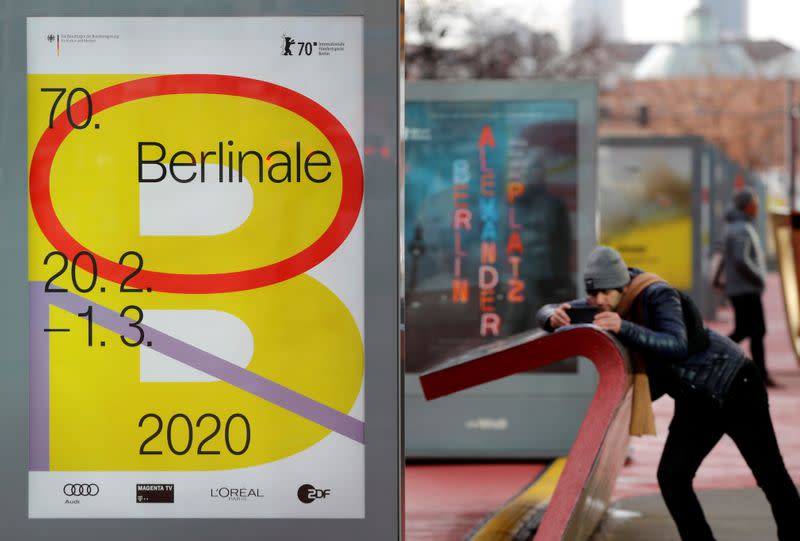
716 387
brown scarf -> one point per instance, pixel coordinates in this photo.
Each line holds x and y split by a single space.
642 419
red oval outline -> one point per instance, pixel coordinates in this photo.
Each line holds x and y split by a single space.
315 253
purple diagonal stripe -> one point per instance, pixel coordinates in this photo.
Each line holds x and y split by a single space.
38 380
219 368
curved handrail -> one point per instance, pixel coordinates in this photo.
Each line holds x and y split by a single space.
574 511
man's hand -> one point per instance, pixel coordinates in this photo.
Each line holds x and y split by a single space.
608 321
560 317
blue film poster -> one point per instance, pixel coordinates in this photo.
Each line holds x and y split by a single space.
491 196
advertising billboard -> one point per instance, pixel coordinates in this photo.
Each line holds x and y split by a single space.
500 213
196 267
491 198
645 195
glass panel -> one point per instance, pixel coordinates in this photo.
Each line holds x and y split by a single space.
491 199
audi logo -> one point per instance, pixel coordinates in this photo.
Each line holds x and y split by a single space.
81 490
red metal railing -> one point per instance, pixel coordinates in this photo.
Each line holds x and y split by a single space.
593 463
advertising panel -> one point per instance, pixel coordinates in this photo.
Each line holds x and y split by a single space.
645 198
490 231
196 256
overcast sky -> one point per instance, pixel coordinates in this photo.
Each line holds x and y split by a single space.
656 20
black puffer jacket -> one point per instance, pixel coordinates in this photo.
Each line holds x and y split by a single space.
660 335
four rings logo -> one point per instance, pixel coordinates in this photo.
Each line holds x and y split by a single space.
307 493
84 489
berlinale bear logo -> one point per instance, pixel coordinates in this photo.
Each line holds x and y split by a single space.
287 45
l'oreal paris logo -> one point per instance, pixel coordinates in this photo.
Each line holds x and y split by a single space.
236 494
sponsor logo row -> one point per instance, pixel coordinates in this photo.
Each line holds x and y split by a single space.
165 493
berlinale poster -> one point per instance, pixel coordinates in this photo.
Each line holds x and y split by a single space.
196 267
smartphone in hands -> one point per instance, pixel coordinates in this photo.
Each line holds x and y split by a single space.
581 314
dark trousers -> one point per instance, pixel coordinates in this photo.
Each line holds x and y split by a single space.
749 314
697 427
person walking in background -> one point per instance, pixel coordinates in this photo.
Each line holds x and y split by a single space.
745 273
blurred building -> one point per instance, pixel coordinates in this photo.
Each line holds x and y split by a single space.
744 117
595 19
730 91
730 17
736 58
785 65
701 54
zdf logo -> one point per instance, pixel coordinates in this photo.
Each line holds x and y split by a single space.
307 493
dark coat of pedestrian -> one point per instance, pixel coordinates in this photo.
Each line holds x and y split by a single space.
745 277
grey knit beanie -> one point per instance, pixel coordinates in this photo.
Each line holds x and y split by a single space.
743 198
605 269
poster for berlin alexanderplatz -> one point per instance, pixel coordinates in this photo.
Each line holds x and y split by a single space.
196 267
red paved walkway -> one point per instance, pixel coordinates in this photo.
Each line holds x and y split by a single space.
444 502
724 467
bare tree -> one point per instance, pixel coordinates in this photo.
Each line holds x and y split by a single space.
590 60
429 23
493 45
501 47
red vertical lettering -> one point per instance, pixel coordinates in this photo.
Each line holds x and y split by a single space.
487 277
462 219
514 243
516 290
514 190
458 251
514 260
487 300
460 291
488 253
459 192
490 323
487 183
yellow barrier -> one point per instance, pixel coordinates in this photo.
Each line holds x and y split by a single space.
523 508
786 229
